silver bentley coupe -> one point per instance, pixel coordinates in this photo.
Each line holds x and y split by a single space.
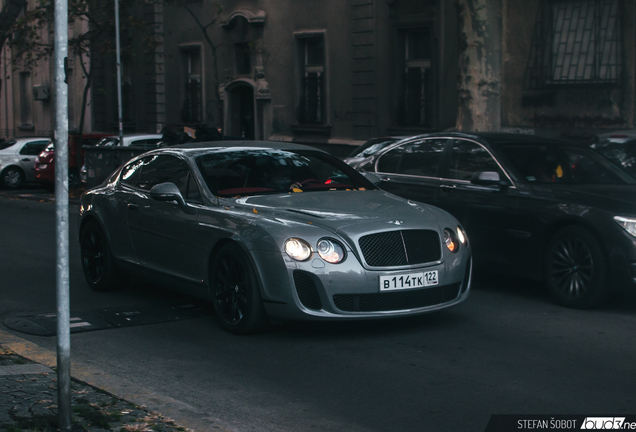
271 231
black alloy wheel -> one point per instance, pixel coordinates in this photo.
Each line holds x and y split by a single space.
236 296
12 178
97 262
576 269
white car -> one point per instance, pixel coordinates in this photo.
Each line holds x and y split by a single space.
17 160
615 137
145 141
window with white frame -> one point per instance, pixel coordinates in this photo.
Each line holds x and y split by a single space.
312 100
192 110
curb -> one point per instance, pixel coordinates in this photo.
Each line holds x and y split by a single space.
182 413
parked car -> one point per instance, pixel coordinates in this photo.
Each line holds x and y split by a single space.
143 141
17 159
363 152
540 208
45 162
274 230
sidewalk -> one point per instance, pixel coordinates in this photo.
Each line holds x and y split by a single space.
99 402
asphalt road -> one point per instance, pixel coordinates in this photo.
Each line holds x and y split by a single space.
507 350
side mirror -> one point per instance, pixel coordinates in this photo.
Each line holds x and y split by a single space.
167 192
489 178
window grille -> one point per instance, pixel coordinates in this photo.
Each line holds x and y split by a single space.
575 42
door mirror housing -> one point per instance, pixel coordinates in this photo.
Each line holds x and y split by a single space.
489 178
167 192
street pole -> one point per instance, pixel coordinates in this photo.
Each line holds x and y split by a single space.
118 51
61 213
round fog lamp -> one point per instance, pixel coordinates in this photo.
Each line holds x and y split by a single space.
330 251
297 249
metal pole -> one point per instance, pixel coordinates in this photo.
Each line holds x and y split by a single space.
119 110
61 213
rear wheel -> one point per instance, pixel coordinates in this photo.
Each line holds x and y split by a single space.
97 261
12 178
235 292
576 269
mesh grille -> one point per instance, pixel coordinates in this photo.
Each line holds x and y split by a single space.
307 291
395 301
397 248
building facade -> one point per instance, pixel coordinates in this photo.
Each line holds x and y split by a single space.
338 72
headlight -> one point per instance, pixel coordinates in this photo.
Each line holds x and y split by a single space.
451 241
330 251
462 237
628 223
297 249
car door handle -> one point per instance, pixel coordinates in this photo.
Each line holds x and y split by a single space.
26 160
447 187
385 179
133 206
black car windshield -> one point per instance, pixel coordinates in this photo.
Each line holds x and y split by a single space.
624 155
233 172
562 164
372 147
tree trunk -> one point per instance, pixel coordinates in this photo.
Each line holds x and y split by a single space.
479 65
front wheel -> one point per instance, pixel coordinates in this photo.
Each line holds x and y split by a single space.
576 269
97 261
235 292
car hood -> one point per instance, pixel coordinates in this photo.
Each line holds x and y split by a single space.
347 213
612 198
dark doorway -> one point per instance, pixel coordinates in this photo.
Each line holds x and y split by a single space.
241 115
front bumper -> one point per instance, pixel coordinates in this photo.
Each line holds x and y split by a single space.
315 290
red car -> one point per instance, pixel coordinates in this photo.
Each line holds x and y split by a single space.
45 162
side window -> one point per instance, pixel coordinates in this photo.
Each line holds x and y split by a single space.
130 173
33 148
468 157
422 158
419 158
162 169
390 161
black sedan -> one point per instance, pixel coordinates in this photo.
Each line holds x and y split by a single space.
534 207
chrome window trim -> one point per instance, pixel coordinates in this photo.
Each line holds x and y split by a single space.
411 139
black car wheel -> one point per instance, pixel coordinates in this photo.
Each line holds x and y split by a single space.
235 292
576 269
12 178
97 261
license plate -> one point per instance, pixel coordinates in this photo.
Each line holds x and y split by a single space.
409 280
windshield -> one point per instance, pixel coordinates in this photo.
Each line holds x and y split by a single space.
108 142
7 144
372 147
232 172
569 165
623 155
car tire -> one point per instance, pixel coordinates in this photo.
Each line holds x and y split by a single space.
97 261
235 292
12 178
576 269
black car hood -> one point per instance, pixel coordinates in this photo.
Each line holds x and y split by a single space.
610 197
